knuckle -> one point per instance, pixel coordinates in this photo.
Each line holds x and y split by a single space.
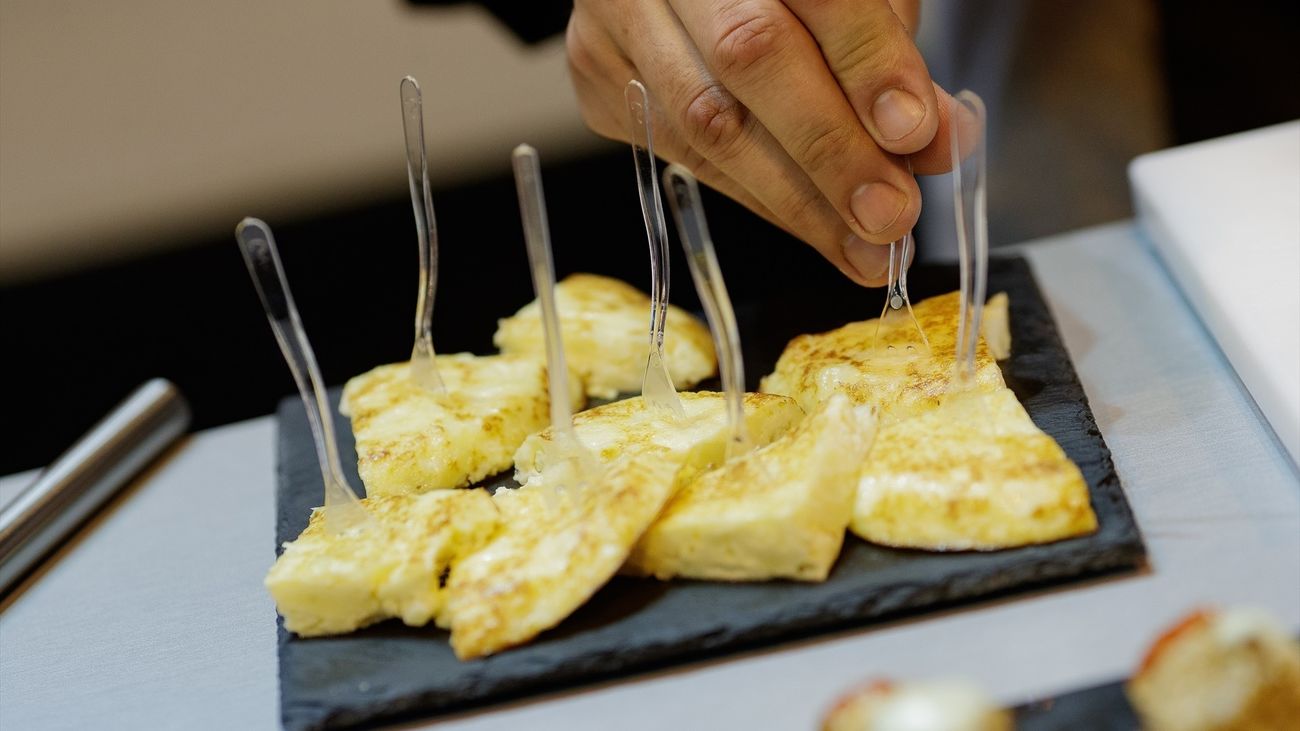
873 59
714 121
823 149
754 37
804 211
870 53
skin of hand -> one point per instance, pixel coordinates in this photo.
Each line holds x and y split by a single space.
802 110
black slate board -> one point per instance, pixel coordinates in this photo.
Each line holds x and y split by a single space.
390 672
1099 708
1103 708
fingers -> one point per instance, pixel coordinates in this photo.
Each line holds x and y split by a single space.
865 263
596 66
599 73
702 125
936 157
909 14
760 52
713 128
873 59
699 124
884 77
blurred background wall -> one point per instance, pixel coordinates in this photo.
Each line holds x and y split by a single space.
135 134
133 126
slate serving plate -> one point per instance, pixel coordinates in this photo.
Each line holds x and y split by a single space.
390 672
1099 708
1102 708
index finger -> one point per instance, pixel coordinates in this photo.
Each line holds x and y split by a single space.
764 56
873 59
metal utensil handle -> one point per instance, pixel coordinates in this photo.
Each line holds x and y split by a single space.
83 478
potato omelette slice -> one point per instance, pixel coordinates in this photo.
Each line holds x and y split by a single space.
561 543
410 440
330 583
557 548
973 473
695 442
892 372
995 326
605 323
777 512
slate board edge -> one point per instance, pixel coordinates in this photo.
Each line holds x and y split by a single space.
909 602
1098 708
1126 553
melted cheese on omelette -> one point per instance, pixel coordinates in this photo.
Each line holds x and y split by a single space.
695 441
605 325
410 440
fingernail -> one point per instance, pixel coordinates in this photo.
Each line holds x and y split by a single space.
897 113
877 206
869 260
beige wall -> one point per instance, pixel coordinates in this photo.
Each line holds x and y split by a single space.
134 124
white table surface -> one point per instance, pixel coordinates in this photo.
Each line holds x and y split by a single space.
155 617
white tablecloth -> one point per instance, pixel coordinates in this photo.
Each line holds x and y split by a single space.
155 617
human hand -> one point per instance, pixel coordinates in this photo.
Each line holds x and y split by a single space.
799 109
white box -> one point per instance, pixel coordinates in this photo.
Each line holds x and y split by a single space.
1224 215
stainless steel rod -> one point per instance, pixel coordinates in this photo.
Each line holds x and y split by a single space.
80 481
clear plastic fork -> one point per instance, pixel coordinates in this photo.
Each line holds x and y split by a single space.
342 509
657 385
424 369
896 297
688 211
969 166
571 454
